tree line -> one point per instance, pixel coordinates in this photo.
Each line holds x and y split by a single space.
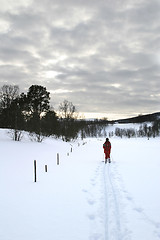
144 130
32 112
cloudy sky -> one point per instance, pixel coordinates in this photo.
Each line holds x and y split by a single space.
102 55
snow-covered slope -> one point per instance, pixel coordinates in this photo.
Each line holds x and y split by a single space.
81 198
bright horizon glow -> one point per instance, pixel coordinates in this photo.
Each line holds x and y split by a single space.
109 116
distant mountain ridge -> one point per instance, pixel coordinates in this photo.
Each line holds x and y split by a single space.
141 118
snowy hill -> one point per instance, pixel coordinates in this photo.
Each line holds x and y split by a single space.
81 198
141 118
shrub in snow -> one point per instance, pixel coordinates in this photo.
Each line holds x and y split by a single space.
15 134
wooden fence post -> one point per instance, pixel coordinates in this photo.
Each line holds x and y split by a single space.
35 171
71 147
57 158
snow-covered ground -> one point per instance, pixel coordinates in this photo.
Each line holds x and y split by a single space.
81 198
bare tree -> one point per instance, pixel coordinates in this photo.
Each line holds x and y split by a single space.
67 110
10 111
7 94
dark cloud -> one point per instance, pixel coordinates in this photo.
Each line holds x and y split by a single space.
101 55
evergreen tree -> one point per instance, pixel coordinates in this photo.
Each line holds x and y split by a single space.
38 100
49 123
37 105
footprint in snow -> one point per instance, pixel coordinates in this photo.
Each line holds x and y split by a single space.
91 202
91 216
85 191
93 182
157 225
138 209
129 198
96 236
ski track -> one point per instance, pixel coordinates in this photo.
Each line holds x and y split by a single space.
109 203
103 200
112 219
122 200
106 210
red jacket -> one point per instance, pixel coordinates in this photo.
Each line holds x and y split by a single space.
107 146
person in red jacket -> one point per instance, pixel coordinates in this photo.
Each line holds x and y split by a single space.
107 150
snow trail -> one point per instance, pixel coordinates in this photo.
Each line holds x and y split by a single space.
130 212
113 225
